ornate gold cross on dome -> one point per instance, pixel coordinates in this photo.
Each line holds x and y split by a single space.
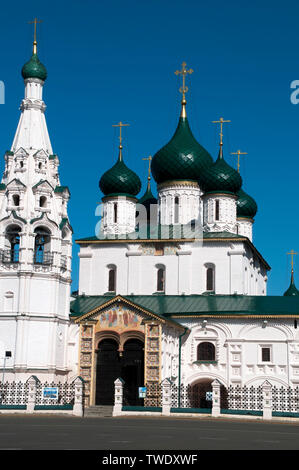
239 153
292 253
149 168
120 125
35 21
221 122
183 72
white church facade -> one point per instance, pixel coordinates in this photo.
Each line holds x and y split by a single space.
172 287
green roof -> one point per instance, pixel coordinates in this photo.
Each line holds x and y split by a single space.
221 177
292 290
183 158
246 205
120 180
34 69
61 189
179 306
2 186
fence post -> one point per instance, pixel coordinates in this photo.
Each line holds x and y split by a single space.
216 397
78 403
118 396
166 397
267 400
32 381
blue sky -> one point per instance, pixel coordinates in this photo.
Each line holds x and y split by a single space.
112 61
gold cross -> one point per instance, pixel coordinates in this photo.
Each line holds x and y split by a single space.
292 253
239 153
149 167
35 21
183 72
120 125
221 122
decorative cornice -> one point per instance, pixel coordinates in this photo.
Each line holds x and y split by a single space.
178 183
33 104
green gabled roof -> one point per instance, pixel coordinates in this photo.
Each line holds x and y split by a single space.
61 189
52 157
180 306
65 221
2 186
15 216
9 152
41 182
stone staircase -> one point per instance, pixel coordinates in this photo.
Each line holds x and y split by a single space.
98 411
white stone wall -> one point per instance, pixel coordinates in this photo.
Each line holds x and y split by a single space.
238 344
189 203
227 213
126 215
244 227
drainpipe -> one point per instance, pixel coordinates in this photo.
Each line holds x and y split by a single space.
180 355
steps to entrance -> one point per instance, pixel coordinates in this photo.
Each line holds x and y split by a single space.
98 412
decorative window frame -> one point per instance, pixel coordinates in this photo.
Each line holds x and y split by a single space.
260 354
41 158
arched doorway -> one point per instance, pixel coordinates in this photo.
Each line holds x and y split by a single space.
132 371
108 370
197 395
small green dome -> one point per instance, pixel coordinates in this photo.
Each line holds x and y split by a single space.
183 158
120 180
34 69
292 290
148 198
246 205
221 177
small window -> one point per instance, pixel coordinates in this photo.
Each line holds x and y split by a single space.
161 280
210 279
16 200
176 210
206 352
216 209
112 280
115 212
43 201
266 354
40 165
295 324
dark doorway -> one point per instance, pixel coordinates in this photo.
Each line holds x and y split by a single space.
108 370
198 397
133 371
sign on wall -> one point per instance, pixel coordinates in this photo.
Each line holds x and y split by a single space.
142 392
50 392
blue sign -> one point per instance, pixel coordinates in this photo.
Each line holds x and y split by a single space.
209 396
50 392
142 392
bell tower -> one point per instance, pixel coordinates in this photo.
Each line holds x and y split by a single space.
35 243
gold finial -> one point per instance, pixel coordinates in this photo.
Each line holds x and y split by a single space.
149 170
183 89
35 21
239 153
120 125
292 253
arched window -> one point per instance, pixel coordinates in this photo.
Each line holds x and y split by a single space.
206 352
161 279
112 279
210 280
115 212
12 244
176 210
217 209
16 200
43 201
42 254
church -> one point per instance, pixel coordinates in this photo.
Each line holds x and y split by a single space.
169 287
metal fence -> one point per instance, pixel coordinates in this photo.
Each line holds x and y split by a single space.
285 399
14 393
245 398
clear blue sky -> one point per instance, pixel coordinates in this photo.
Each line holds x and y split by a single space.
113 60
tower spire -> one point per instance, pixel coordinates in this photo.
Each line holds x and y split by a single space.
183 89
35 21
149 158
292 253
120 125
238 152
221 122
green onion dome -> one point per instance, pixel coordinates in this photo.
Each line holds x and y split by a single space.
221 177
183 158
148 198
246 205
292 290
120 180
34 69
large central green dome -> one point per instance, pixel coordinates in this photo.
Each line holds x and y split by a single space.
183 158
120 180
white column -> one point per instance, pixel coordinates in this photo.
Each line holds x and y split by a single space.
267 400
216 398
166 397
32 381
78 405
118 396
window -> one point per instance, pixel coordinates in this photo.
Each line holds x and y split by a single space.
12 244
42 254
112 279
43 201
115 212
210 284
161 279
266 354
206 352
176 210
16 200
216 209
